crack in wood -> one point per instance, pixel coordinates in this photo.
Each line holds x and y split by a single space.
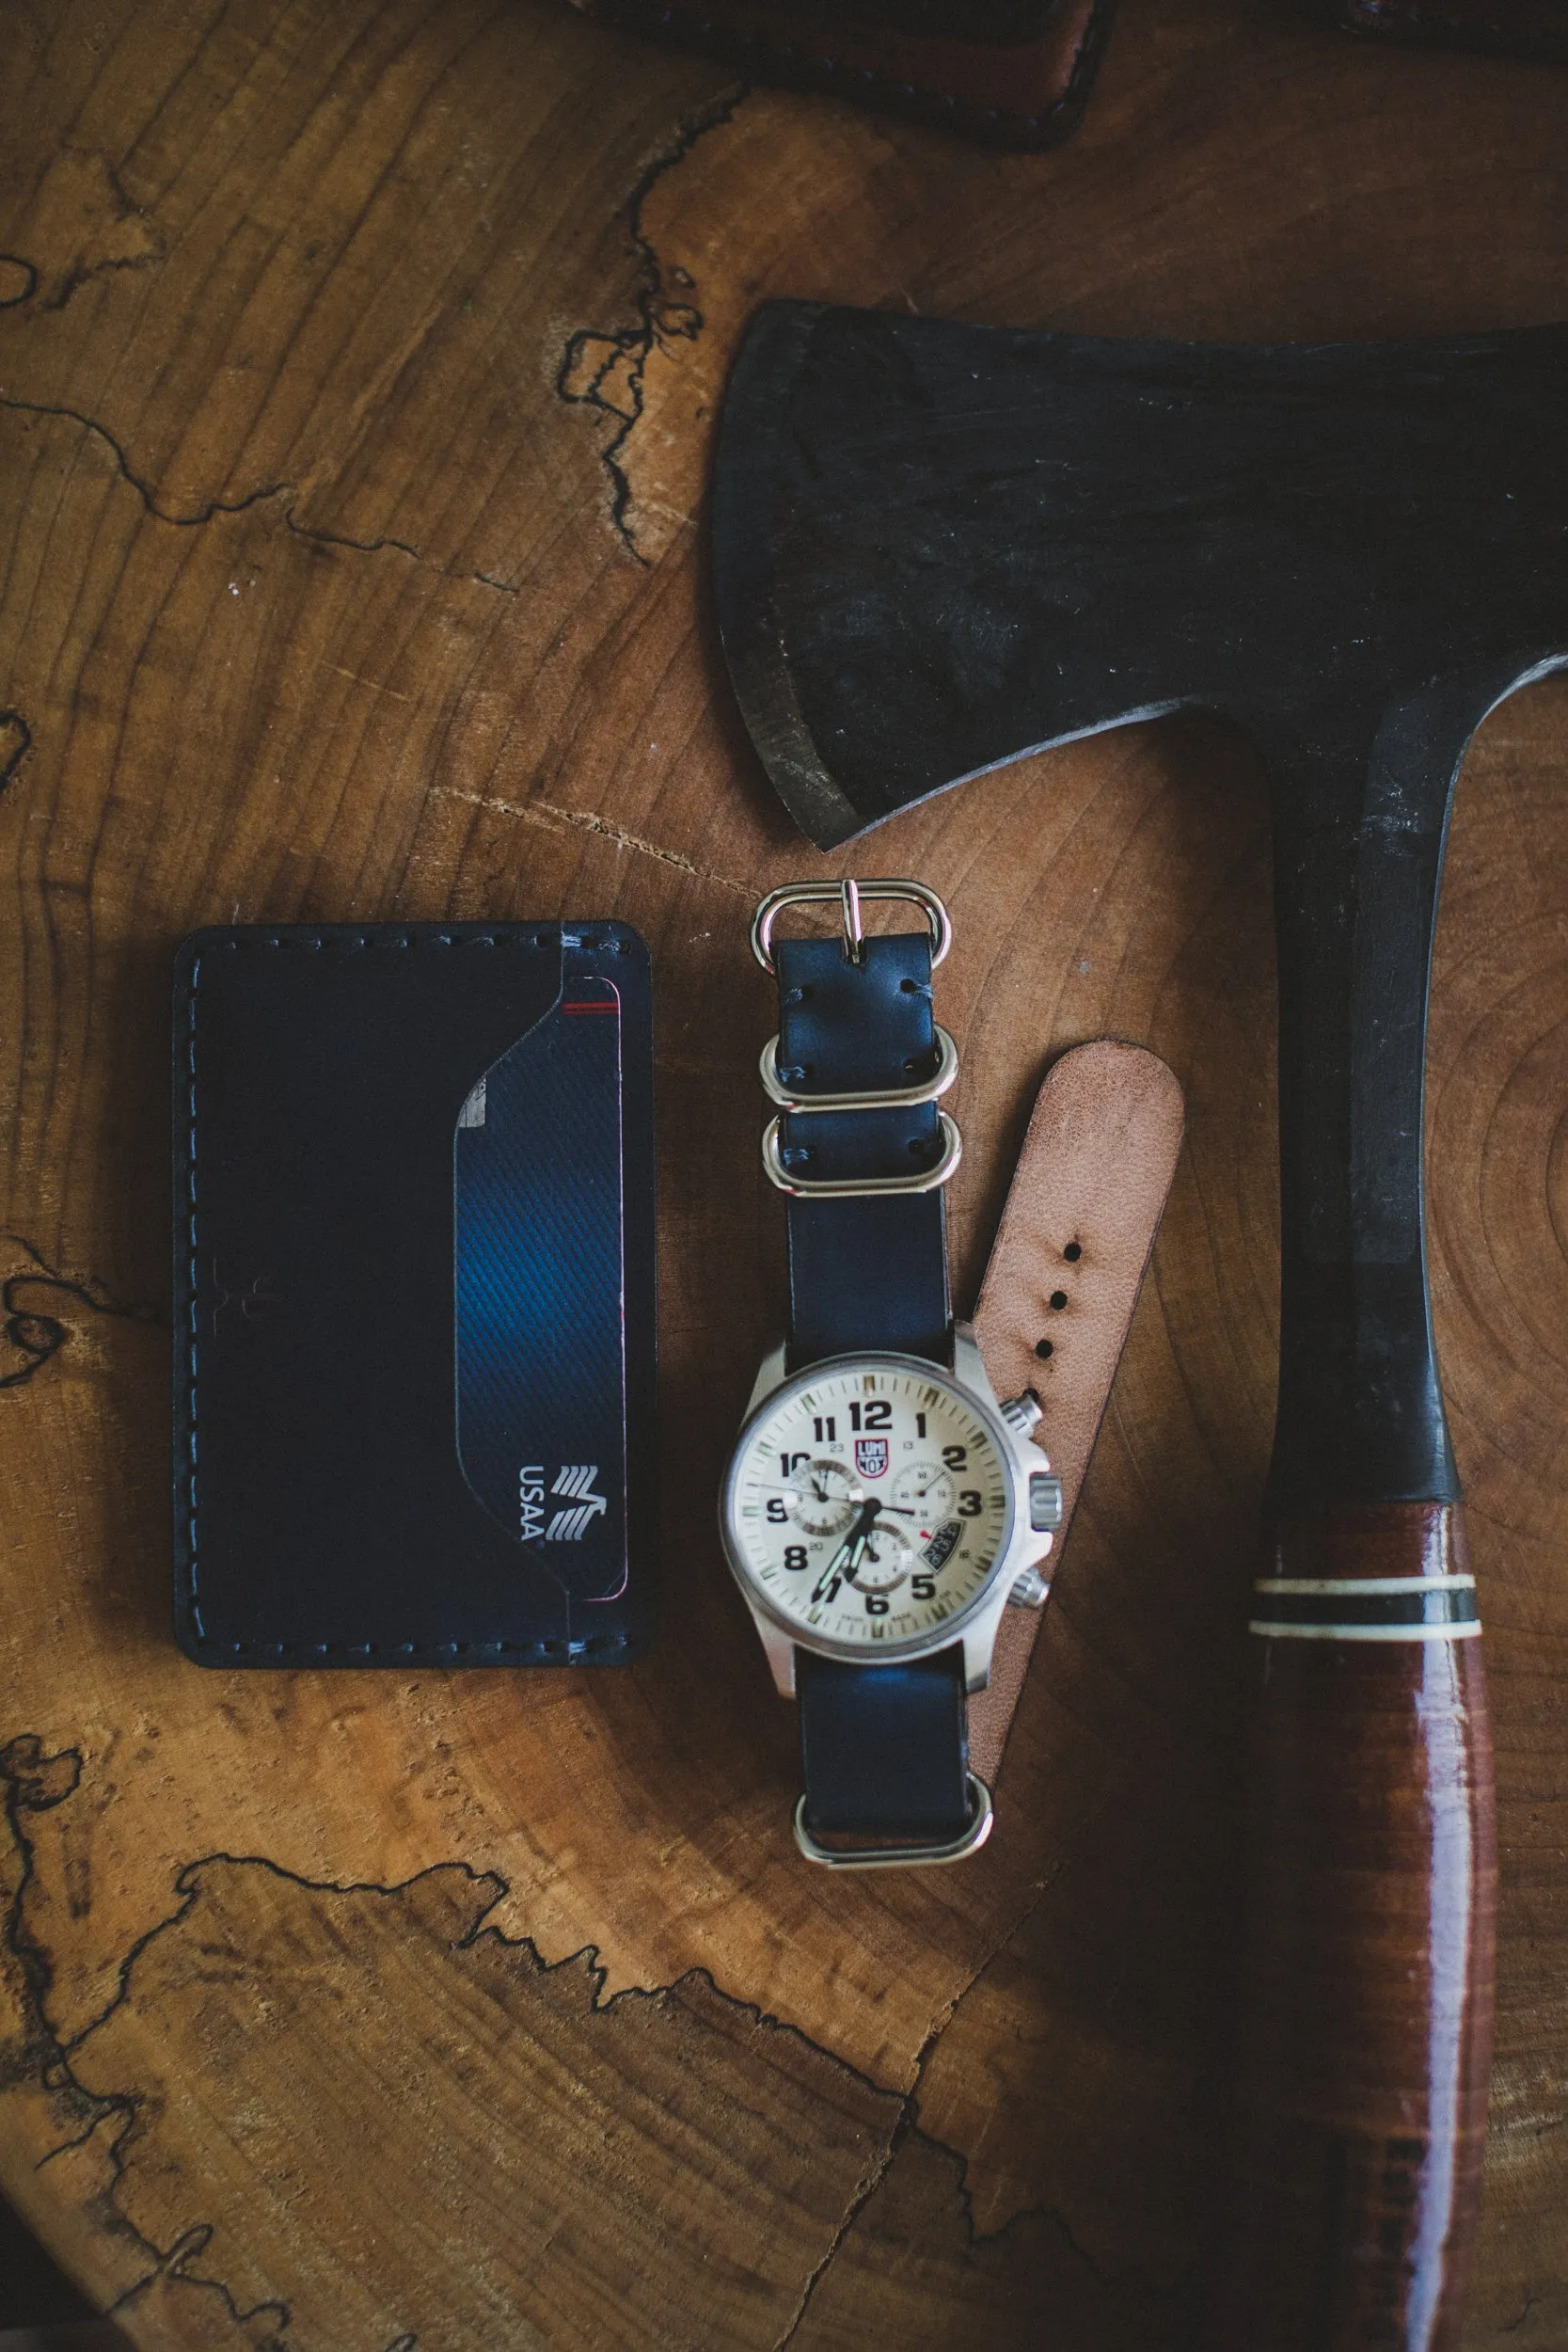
38 1335
358 546
84 275
33 1783
16 741
604 369
175 2265
935 2034
35 1780
218 506
30 280
100 432
852 2212
908 2124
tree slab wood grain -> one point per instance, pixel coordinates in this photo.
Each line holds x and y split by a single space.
357 369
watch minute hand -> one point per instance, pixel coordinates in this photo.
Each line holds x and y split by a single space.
848 1556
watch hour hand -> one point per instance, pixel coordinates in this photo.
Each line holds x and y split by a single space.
837 1568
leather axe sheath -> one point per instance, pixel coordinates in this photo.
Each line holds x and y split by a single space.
938 547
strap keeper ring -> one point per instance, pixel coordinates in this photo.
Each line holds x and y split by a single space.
969 1841
883 1099
861 1187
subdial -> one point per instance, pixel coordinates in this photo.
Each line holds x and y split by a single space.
886 1558
822 1498
926 1492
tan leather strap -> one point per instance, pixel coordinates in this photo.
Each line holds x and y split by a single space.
1078 1226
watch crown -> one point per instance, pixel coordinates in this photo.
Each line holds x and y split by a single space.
1030 1589
1045 1501
1021 1412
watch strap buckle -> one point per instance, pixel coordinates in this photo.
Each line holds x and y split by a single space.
848 894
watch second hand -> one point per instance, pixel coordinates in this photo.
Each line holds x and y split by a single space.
773 1485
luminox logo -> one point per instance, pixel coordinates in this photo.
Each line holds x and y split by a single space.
575 1480
871 1455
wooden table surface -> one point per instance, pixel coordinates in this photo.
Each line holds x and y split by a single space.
357 373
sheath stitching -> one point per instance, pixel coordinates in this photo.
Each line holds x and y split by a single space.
442 1653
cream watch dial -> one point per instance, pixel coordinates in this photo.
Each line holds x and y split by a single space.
867 1504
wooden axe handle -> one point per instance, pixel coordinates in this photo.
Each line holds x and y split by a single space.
1369 1957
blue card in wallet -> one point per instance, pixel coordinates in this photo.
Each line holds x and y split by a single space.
414 1276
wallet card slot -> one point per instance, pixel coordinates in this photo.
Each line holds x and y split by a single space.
539 1285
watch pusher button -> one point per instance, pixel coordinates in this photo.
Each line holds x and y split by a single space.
1020 1413
1030 1589
1045 1501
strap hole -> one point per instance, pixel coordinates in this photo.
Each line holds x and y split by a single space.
1044 1348
918 1147
1073 1251
1058 1300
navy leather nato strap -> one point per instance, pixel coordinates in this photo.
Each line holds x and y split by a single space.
870 1273
884 1748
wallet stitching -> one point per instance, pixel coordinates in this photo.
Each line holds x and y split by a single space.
415 1653
630 12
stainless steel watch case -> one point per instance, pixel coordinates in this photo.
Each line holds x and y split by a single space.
1022 1547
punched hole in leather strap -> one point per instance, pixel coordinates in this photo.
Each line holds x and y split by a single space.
1076 1232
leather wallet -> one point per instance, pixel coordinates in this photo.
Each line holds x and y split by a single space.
414 1295
1014 73
1531 29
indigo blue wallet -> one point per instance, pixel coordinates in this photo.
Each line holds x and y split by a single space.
414 1295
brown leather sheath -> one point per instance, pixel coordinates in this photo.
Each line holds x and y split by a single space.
1061 1285
1012 73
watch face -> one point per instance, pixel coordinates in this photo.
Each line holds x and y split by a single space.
868 1503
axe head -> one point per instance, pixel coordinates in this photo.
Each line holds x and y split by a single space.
938 547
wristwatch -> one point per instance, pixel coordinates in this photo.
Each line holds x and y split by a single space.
882 1507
